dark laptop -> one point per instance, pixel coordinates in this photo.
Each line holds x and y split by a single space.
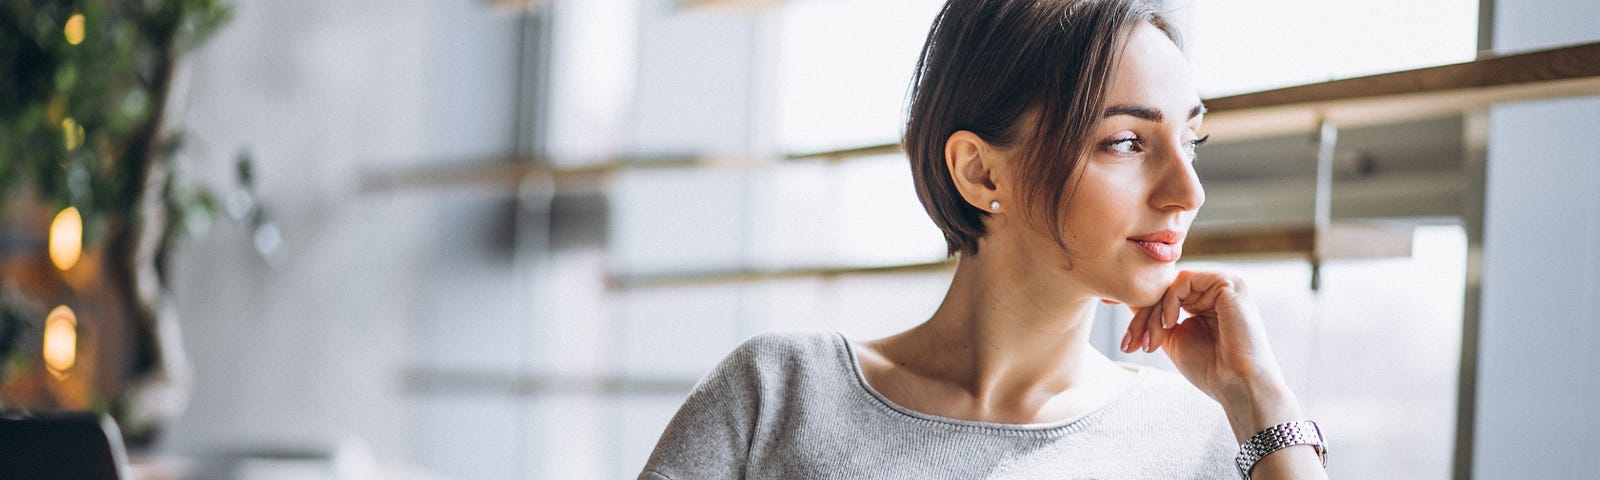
61 445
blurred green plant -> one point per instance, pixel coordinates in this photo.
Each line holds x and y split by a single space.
81 104
83 98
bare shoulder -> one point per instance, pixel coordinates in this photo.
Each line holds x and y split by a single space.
869 354
879 366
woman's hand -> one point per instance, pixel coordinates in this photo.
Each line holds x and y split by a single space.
1222 349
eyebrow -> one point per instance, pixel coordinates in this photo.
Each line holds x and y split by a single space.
1148 113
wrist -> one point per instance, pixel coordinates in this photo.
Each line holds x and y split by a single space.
1279 450
1256 407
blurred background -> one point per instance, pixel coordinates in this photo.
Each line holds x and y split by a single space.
471 239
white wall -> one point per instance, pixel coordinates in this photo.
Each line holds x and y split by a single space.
1541 272
323 93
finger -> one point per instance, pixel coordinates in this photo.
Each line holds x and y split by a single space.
1156 328
1204 299
1211 298
1181 289
1157 335
1154 332
1136 328
1205 290
1169 303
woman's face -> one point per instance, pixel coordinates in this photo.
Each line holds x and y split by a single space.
1136 192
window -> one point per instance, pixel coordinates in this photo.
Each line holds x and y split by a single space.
613 333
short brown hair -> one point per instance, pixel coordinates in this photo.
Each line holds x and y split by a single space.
989 67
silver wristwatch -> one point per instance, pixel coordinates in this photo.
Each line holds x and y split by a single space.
1277 437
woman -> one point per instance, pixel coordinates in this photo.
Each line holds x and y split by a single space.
1052 143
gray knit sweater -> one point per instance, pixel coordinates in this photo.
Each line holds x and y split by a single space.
795 405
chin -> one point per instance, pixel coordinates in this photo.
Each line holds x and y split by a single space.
1146 288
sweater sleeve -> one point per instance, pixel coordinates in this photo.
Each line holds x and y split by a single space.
710 436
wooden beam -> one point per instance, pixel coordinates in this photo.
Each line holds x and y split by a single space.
510 172
848 153
1344 240
750 6
1206 242
496 175
617 282
1554 65
1408 95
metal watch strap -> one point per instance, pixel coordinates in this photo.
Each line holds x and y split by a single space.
1278 437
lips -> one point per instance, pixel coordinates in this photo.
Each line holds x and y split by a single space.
1162 246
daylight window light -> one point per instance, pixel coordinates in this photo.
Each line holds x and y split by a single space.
74 29
66 238
60 341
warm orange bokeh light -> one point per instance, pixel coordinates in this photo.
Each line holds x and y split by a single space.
66 238
74 29
60 341
72 134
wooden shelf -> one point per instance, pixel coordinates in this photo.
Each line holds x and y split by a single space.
748 275
510 172
1342 240
729 5
1408 95
849 153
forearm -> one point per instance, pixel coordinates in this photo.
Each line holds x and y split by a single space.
1254 409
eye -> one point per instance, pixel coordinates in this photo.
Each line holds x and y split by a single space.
1124 146
1195 144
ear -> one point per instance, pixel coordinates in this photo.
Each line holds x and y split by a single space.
974 167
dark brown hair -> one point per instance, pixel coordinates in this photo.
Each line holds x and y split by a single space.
1025 73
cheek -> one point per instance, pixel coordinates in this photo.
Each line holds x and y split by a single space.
1101 214
1107 209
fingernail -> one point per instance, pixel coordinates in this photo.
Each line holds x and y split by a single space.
1126 337
1148 347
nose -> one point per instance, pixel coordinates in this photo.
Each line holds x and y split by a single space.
1177 185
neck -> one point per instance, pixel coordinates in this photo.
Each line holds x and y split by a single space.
1007 339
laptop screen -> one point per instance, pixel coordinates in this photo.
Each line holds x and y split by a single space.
82 445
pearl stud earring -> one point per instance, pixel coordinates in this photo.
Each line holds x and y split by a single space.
994 206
